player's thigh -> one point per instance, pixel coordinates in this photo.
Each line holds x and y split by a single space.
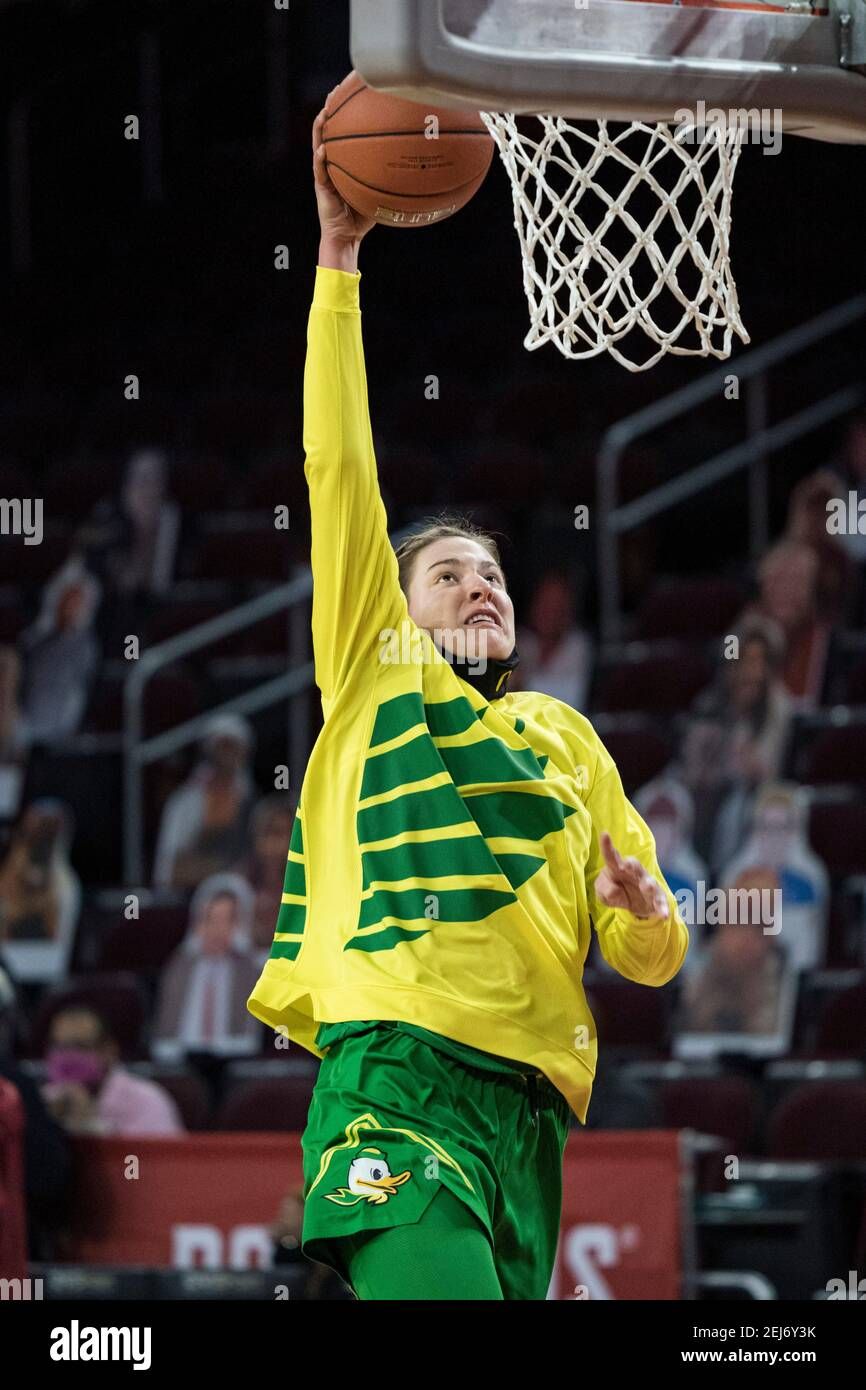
446 1254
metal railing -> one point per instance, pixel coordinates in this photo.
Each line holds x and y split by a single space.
752 453
293 686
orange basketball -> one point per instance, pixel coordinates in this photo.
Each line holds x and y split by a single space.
403 164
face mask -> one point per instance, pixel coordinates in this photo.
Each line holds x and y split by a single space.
73 1064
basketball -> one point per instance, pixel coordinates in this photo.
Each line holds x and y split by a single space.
403 164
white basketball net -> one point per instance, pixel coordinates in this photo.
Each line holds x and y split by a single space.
623 233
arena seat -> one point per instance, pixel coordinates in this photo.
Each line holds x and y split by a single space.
255 553
141 945
637 745
188 1091
821 1120
175 616
842 1025
279 1104
837 830
201 475
660 679
702 607
845 924
172 697
727 1106
629 1016
837 754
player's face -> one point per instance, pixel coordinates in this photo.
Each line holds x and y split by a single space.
457 587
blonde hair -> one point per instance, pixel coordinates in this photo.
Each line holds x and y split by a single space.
436 528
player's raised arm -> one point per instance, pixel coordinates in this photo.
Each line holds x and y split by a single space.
356 590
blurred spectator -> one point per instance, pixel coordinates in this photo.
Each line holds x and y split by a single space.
60 654
736 738
132 539
40 894
47 1160
788 579
13 735
322 1282
206 982
89 1092
779 841
669 811
743 987
204 822
264 866
807 523
555 653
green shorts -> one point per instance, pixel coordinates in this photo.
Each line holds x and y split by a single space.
393 1119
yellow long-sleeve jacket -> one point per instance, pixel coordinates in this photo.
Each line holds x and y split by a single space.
442 862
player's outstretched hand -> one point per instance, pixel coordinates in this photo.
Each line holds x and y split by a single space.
340 223
626 883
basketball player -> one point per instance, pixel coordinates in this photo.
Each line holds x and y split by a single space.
454 845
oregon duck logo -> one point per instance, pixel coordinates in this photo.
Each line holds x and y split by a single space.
370 1180
369 1177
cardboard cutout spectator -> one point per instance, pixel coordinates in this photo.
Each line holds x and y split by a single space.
205 985
264 866
205 822
132 539
40 895
807 522
741 997
555 653
60 654
779 840
89 1092
789 593
736 738
668 809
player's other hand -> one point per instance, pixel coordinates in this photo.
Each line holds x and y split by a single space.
341 224
625 883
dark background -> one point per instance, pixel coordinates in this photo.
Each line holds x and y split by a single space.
183 289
